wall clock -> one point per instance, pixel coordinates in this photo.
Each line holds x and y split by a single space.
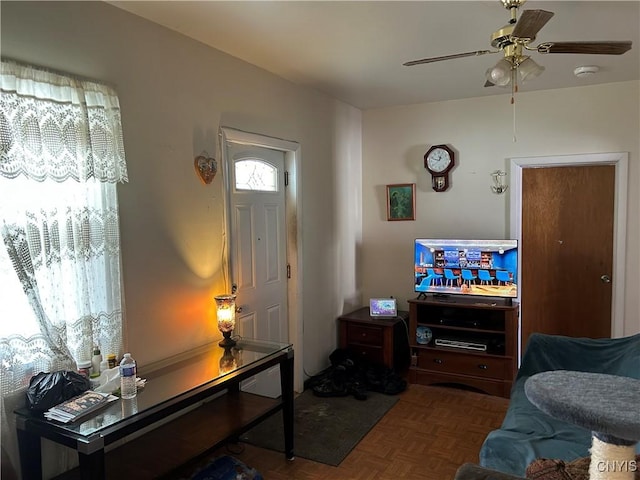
439 160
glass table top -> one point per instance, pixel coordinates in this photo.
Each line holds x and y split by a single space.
173 377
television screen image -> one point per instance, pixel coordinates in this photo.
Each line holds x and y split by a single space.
486 268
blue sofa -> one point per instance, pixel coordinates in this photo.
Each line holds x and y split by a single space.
526 432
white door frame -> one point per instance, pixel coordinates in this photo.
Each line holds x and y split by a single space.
293 208
618 159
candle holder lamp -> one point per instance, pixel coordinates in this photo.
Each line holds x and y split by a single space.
226 313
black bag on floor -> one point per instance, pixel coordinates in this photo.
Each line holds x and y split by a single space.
47 390
349 374
384 380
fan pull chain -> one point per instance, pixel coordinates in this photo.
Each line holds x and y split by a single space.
514 122
514 90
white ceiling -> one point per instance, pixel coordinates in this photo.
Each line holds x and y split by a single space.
354 51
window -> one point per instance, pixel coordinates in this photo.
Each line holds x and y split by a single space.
256 175
68 243
61 155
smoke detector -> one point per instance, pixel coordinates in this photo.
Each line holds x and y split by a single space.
585 70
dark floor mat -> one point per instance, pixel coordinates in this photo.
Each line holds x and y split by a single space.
325 429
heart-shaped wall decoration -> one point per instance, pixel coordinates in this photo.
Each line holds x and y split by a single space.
206 168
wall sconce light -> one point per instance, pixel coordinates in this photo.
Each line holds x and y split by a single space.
206 167
226 313
499 186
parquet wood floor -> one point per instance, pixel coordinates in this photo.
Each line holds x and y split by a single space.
428 434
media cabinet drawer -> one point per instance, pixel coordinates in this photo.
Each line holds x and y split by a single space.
363 335
488 385
457 362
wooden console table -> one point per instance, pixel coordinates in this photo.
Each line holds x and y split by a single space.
172 386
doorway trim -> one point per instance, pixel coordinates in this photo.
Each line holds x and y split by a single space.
620 161
293 208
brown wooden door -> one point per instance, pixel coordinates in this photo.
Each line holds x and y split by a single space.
566 248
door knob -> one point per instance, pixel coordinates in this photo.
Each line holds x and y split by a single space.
605 279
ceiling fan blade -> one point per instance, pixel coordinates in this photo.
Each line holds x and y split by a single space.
530 23
489 84
447 57
591 48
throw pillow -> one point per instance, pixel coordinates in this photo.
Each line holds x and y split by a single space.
227 468
548 469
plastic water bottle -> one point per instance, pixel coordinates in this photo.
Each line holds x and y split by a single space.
128 372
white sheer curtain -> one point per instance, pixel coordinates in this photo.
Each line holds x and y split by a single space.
61 155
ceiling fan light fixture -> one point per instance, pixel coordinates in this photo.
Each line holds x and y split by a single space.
529 69
500 73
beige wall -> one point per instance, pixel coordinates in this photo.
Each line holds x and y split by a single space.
174 94
592 119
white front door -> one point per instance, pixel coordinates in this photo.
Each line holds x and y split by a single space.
258 256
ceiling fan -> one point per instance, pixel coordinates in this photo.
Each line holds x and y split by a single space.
516 38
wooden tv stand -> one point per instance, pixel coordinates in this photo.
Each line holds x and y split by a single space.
478 321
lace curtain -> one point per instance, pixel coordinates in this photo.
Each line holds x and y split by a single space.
58 127
61 154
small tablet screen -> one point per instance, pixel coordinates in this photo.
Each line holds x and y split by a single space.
383 307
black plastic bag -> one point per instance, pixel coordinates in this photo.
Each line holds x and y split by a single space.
47 390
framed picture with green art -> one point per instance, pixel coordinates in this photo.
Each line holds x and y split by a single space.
401 201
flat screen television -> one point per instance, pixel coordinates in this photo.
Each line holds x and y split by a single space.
487 268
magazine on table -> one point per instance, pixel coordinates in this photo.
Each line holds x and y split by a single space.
79 406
